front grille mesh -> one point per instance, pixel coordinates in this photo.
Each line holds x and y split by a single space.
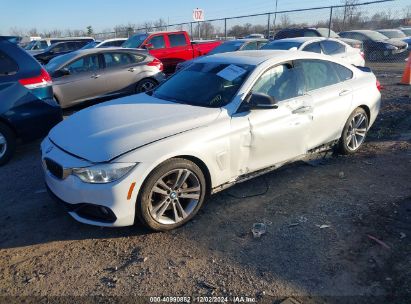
54 168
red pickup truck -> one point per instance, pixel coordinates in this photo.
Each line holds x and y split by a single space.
170 47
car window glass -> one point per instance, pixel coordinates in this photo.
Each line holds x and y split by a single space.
250 46
343 72
71 46
261 44
313 47
136 58
358 36
317 73
177 40
7 65
310 33
118 59
332 47
59 48
281 82
84 64
157 42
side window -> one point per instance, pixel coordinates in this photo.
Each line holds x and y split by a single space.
84 64
261 44
343 73
7 65
60 47
118 59
317 73
136 58
314 47
177 40
332 47
281 82
158 42
72 46
250 46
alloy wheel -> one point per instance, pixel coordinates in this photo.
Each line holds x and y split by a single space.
147 86
3 145
356 131
174 196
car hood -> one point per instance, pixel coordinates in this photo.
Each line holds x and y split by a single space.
103 132
394 42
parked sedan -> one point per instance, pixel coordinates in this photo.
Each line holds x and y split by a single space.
57 49
229 46
89 74
328 46
397 35
157 156
27 108
376 45
115 42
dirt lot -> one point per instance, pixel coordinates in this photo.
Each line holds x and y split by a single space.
339 230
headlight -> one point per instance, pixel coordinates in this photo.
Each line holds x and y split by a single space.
391 47
105 173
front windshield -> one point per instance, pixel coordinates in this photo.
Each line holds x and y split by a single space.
406 31
30 45
324 33
230 46
393 34
281 45
375 35
90 45
135 41
207 84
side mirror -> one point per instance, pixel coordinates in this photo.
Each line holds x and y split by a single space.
261 101
62 72
149 46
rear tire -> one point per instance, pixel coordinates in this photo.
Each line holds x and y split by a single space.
7 144
354 132
171 195
146 85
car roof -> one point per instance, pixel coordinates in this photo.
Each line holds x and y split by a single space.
246 40
302 39
359 31
257 57
385 30
113 39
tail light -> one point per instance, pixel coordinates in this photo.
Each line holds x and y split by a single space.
41 81
379 86
156 63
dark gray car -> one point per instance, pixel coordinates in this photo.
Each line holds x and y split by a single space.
93 73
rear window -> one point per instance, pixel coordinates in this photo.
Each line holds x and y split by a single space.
7 65
177 40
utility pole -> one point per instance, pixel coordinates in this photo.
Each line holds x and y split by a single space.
275 15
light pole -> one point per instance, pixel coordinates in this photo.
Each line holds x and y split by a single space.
275 15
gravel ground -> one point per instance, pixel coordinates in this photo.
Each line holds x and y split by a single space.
338 230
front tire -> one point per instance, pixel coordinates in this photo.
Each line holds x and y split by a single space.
172 195
7 144
146 85
354 132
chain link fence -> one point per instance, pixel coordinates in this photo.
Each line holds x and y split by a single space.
372 15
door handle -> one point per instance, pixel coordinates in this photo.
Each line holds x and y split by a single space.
344 92
95 76
131 69
304 109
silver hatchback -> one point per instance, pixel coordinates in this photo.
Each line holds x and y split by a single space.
94 73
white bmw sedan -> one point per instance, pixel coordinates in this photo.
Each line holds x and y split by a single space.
155 157
328 46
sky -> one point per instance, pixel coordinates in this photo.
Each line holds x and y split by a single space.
102 14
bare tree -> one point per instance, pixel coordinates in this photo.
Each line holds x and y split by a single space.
160 25
16 31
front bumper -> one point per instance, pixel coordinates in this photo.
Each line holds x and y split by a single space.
107 205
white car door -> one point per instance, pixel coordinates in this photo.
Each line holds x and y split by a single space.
330 86
265 137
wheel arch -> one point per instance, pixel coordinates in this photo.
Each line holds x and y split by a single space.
7 123
367 111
